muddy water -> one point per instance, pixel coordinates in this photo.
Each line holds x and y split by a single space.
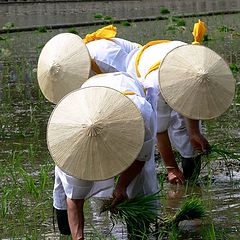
24 114
73 12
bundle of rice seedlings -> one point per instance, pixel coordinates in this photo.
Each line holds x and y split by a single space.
192 208
139 211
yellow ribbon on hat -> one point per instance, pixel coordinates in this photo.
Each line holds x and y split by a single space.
154 67
142 50
199 30
107 32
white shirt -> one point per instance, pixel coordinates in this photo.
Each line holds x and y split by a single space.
150 56
110 55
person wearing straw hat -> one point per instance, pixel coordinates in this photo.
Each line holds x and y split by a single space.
67 61
102 130
188 83
177 130
108 53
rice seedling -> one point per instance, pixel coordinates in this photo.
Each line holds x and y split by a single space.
211 234
141 214
137 214
174 234
44 177
4 202
224 153
191 208
30 184
234 68
225 29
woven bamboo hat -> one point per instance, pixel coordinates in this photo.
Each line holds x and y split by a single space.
196 82
95 133
63 65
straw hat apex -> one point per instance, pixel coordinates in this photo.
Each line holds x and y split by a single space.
196 82
95 133
63 65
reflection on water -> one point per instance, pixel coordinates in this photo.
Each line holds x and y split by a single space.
221 201
102 223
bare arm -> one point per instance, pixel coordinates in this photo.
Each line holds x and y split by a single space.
76 218
164 146
120 192
198 141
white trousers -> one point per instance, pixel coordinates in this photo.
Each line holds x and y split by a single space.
67 186
179 136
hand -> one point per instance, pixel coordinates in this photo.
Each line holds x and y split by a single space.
175 176
119 195
200 143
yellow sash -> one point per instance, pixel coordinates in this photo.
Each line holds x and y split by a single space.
107 32
155 66
95 67
199 30
142 50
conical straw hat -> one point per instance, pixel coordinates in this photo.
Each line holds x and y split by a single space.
63 65
196 82
95 133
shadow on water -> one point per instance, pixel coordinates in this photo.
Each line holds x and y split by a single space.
26 170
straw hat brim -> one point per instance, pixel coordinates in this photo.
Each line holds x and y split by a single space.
196 82
95 133
63 65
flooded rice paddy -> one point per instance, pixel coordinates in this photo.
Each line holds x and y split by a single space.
26 168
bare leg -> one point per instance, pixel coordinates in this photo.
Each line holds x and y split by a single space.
76 218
